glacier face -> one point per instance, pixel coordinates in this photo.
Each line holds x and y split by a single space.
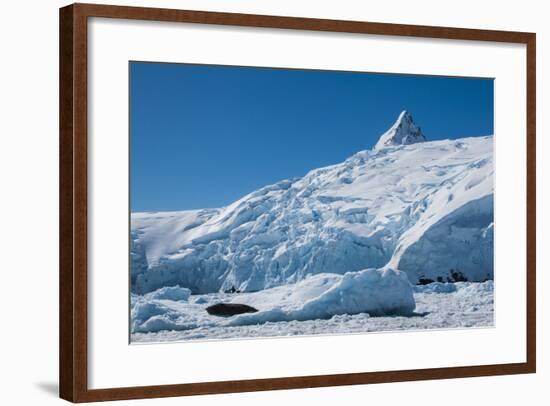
425 208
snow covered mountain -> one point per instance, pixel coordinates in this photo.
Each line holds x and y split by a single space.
403 132
425 208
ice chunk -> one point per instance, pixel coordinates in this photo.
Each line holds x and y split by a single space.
374 291
170 293
435 287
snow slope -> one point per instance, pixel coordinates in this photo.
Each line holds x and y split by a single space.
425 208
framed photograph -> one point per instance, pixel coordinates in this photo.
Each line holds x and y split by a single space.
255 202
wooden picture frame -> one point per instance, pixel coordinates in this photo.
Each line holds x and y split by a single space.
73 207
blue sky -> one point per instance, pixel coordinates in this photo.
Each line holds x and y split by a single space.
203 136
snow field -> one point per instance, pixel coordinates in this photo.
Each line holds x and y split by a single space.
438 306
373 291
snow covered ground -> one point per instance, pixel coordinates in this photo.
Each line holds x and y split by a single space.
373 291
438 306
337 250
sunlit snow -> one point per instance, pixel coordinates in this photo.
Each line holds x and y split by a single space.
438 306
307 252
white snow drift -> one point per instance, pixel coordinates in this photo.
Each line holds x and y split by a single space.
425 208
378 292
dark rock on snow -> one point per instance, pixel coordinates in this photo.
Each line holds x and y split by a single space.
424 281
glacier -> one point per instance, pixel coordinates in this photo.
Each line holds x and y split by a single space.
422 207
